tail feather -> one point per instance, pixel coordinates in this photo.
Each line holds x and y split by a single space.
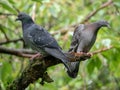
75 66
60 55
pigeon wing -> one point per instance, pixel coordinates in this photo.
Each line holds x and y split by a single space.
41 38
73 48
75 38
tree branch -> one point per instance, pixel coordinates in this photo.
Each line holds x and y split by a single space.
34 71
2 30
37 68
70 27
27 53
11 41
7 14
88 17
102 50
16 52
97 10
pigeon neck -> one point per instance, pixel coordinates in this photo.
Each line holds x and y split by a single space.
97 26
26 24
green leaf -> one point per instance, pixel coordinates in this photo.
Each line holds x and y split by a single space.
90 66
7 7
5 70
11 1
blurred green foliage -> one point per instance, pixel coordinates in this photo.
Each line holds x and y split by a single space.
101 72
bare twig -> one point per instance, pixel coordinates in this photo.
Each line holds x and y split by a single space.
88 17
97 10
11 41
7 14
2 30
17 52
71 27
102 50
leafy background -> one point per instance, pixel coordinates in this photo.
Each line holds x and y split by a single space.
101 72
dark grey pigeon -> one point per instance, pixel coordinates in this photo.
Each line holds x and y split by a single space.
40 40
83 39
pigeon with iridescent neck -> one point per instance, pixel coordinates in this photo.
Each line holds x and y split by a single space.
40 40
83 39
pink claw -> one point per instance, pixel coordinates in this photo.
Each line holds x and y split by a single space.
34 56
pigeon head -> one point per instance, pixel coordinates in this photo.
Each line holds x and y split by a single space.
24 17
103 23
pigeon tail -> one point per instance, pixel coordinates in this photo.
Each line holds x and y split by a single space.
75 66
60 55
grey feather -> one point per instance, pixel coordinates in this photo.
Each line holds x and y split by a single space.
40 40
83 39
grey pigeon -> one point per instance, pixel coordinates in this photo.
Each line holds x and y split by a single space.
40 40
83 39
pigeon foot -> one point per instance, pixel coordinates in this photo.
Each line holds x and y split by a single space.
35 56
